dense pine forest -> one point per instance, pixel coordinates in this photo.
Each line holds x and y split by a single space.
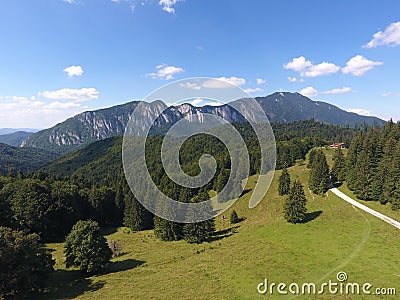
373 165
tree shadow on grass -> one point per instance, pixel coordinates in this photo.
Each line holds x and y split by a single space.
69 284
122 265
221 234
338 184
311 216
246 191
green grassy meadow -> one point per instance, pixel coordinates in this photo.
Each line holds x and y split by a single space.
337 237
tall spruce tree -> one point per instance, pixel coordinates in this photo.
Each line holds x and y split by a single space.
339 165
352 158
284 183
136 216
198 232
319 174
295 205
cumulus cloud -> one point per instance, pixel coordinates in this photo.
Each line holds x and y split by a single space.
292 79
168 5
74 71
321 69
298 64
309 92
224 82
190 85
216 83
390 36
359 65
20 111
307 69
213 103
62 105
360 111
166 72
260 81
197 101
69 1
312 92
83 94
256 90
339 90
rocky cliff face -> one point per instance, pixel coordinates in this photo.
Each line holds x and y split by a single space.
91 126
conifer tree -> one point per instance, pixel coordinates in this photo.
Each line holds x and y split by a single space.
234 217
319 174
284 183
136 216
351 160
198 232
339 165
295 205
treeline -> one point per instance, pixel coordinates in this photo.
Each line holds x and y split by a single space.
373 165
49 206
90 183
296 139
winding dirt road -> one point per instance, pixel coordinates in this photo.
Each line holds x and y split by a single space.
365 208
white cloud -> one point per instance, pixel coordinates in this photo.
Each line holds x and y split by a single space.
321 69
309 92
83 94
390 37
18 111
197 101
312 92
360 111
298 64
260 81
168 5
339 90
224 82
216 83
292 79
166 72
62 105
74 71
256 90
69 1
390 94
234 80
131 3
307 69
190 85
358 65
213 103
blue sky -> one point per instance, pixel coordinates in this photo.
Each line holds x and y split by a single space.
59 58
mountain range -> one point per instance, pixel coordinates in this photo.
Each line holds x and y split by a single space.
14 138
91 126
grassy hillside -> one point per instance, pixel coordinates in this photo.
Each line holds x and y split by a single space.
337 238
